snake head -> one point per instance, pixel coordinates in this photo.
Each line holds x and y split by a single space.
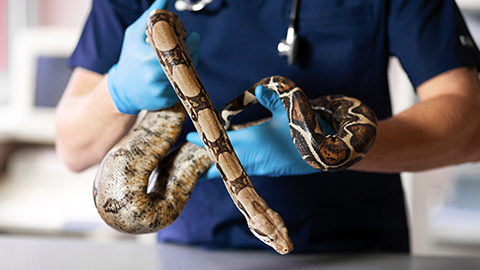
270 229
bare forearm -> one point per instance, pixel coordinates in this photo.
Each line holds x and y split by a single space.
417 140
441 130
87 122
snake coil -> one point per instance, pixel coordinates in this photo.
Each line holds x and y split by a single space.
139 189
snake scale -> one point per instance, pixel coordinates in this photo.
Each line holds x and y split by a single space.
140 189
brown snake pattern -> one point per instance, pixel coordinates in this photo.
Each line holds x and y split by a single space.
129 201
355 122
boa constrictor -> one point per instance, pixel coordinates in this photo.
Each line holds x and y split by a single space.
139 189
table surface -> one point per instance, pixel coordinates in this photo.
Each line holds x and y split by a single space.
18 253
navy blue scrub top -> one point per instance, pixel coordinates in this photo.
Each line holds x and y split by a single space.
345 48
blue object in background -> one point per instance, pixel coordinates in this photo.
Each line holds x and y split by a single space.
52 79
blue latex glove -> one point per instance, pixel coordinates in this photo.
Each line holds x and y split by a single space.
137 82
265 149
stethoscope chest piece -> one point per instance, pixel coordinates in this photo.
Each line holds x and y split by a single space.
182 5
289 46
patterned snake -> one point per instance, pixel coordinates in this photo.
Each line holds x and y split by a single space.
141 189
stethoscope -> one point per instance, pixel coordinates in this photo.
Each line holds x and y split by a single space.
182 5
287 47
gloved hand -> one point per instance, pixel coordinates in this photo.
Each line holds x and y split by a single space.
265 149
137 82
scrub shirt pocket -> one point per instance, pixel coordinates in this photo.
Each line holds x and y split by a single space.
341 41
313 18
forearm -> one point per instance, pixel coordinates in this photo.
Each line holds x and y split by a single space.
441 130
87 122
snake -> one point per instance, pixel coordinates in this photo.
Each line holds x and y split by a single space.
142 185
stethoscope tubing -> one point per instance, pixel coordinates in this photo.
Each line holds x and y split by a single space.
287 47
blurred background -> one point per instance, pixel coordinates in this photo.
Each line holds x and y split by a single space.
40 197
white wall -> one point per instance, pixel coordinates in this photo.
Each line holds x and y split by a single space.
35 27
63 12
34 13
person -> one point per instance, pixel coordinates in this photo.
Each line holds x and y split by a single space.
344 49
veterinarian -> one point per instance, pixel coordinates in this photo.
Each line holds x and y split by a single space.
341 47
